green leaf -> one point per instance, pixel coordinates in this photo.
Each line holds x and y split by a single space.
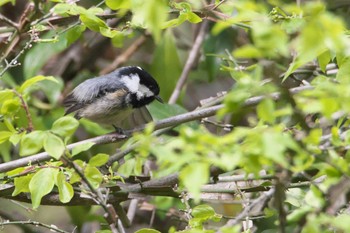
65 126
6 95
5 135
166 55
247 51
16 138
65 189
150 14
21 184
41 184
147 230
82 147
74 33
193 18
3 2
93 22
31 143
127 168
323 60
108 32
266 110
120 4
104 231
99 160
30 82
10 106
54 146
193 176
34 59
343 75
93 175
203 211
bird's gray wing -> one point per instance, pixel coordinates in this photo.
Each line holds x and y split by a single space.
140 116
89 91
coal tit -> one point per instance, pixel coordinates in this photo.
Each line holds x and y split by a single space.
112 98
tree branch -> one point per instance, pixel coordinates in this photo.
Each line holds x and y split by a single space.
189 63
161 124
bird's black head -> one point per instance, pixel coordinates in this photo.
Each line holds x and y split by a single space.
143 88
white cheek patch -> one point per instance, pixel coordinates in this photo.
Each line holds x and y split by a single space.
143 92
132 82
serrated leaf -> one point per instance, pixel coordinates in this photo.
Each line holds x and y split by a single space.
31 143
41 184
21 184
65 189
30 82
99 160
65 126
54 146
93 175
82 147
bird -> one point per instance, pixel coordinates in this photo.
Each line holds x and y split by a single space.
113 98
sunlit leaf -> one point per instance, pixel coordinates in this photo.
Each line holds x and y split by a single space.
65 189
54 145
31 143
65 126
41 184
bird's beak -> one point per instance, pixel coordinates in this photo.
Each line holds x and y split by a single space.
157 97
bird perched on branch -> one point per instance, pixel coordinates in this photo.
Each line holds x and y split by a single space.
113 98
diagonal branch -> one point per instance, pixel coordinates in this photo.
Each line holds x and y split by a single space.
189 63
161 124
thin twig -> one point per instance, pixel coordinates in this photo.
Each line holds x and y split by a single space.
122 58
51 227
263 198
14 61
189 63
111 214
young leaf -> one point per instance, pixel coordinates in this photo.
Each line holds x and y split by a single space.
120 4
21 184
5 135
193 176
147 230
65 189
99 160
83 147
93 175
41 184
203 211
54 146
31 143
65 126
30 82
